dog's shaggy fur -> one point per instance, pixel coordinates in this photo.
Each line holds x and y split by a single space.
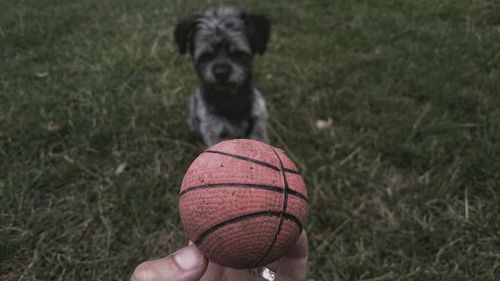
222 43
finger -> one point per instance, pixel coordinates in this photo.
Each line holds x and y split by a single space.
214 272
293 265
188 264
237 274
217 272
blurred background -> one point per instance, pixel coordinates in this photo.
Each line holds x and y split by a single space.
389 108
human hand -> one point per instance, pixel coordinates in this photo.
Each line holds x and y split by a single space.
189 264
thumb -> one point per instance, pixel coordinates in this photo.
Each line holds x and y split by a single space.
187 264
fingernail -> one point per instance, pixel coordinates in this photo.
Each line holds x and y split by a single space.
188 258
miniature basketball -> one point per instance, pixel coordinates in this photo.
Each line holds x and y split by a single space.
243 203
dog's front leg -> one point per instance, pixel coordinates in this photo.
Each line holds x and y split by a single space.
259 131
258 121
211 131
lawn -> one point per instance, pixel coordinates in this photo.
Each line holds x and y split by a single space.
404 184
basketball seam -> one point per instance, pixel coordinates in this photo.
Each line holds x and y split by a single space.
255 161
243 185
285 204
214 228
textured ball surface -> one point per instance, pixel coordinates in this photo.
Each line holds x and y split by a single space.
243 203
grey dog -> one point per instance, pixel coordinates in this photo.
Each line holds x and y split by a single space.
222 43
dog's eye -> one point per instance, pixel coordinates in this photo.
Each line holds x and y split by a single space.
205 57
239 55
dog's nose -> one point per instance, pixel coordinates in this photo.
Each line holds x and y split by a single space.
221 72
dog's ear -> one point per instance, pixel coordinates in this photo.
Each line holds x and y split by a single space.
184 34
259 31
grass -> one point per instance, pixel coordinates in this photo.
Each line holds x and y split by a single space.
403 186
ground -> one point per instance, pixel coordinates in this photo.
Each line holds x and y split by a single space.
403 172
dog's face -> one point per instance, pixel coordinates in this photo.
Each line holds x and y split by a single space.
222 43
